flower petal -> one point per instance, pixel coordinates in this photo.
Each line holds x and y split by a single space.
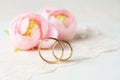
47 43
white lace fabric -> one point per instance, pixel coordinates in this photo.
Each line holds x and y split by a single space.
22 65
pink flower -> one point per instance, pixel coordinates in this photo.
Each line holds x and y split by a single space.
28 29
62 20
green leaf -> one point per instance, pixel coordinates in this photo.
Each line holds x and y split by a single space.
16 50
6 31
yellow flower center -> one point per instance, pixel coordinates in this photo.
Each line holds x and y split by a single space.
30 27
61 18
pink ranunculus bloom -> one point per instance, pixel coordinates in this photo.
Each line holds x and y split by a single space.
28 29
62 20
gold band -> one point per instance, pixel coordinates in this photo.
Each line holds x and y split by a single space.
71 52
52 62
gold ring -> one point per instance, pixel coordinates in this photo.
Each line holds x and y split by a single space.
52 62
71 52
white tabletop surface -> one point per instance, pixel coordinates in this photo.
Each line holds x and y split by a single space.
100 15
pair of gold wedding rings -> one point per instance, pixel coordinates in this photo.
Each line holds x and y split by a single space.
60 58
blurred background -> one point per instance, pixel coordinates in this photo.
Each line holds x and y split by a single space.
85 11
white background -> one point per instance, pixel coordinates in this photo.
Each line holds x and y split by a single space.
99 14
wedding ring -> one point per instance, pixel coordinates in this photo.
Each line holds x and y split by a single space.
70 55
57 59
